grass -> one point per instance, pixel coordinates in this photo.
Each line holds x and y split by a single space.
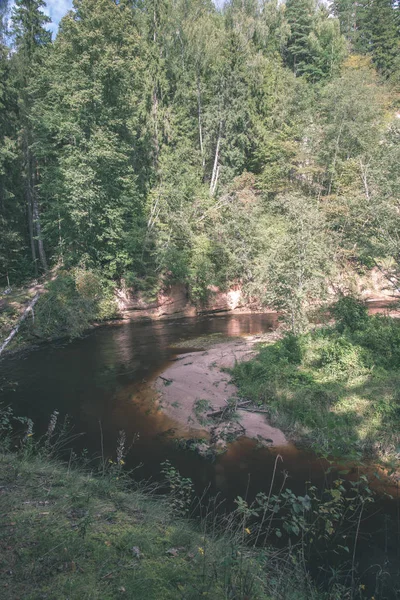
69 534
335 388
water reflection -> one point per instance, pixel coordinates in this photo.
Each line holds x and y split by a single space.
105 378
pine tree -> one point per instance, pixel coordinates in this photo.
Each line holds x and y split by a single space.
348 13
90 137
12 210
300 17
372 27
30 38
381 33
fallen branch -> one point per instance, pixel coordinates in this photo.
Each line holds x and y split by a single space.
15 329
228 409
254 410
218 413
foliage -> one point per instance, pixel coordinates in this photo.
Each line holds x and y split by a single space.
334 388
72 301
173 142
349 313
180 488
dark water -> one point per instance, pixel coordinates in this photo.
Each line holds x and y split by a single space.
104 379
103 383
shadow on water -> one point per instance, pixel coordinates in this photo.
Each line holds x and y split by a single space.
106 378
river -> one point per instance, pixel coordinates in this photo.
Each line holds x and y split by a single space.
103 382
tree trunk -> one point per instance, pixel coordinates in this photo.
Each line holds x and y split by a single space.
36 220
155 117
215 173
203 162
15 329
29 203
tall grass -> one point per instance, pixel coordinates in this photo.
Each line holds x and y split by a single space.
86 529
334 388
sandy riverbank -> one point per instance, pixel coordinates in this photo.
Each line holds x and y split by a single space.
195 391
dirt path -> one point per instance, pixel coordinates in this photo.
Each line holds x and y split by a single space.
195 392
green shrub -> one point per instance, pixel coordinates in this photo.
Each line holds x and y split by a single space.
349 313
342 357
381 336
72 301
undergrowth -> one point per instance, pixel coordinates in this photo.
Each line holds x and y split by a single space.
84 529
70 303
335 388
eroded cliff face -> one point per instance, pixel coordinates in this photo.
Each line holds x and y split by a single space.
174 301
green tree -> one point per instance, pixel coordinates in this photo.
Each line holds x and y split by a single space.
87 123
298 258
31 38
315 46
300 15
12 209
372 27
381 34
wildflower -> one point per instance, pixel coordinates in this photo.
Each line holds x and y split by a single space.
247 530
121 447
201 550
29 430
362 587
52 424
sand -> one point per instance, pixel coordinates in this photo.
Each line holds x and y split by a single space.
194 387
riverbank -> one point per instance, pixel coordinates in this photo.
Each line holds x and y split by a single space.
67 533
196 391
335 388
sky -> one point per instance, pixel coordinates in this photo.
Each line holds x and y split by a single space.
56 9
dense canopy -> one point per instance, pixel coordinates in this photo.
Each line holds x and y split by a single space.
167 140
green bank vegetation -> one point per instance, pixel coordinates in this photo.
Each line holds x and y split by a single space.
85 529
161 141
335 388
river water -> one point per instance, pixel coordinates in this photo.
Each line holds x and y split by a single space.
103 383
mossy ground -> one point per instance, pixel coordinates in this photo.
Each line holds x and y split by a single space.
68 534
335 388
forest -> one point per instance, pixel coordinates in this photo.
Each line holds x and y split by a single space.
165 141
155 145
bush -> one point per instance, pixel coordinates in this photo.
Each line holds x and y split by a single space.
381 335
349 313
342 357
72 301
